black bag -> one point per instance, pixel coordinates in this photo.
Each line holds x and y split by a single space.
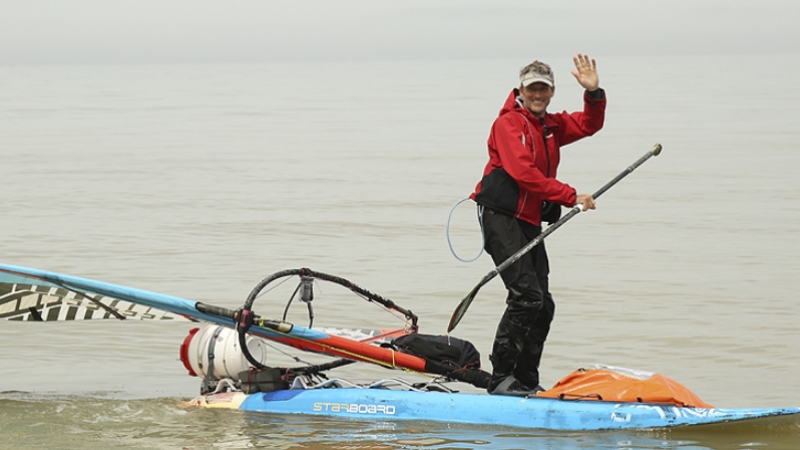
262 380
454 352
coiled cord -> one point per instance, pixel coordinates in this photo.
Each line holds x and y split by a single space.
447 232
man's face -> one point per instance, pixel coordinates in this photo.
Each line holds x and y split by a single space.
536 97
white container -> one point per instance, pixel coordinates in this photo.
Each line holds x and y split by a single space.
216 348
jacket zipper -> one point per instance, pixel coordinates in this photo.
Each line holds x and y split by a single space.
546 150
533 150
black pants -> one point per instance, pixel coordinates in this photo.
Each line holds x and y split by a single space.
529 304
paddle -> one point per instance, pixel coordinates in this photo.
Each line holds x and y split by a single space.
461 309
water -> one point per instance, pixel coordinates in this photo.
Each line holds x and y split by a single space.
199 181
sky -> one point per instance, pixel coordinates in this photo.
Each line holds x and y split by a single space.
202 31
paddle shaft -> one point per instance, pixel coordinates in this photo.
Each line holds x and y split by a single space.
573 212
461 309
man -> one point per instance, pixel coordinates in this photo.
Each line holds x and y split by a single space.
524 151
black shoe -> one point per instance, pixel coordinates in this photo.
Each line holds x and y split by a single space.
530 384
512 386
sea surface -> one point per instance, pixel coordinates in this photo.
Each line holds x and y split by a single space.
201 180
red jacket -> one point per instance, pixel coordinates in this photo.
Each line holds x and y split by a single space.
524 152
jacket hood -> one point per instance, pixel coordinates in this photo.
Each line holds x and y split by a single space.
513 102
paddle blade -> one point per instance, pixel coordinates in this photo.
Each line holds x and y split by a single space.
462 307
459 312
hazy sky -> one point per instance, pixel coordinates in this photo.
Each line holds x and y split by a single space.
157 31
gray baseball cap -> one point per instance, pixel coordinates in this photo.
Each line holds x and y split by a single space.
536 72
